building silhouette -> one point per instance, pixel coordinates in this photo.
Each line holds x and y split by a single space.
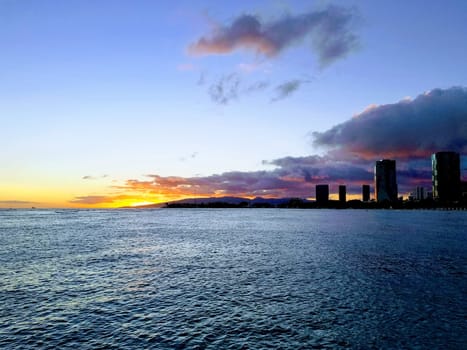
365 193
342 193
418 194
385 181
446 176
322 194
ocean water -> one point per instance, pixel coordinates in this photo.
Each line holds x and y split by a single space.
232 279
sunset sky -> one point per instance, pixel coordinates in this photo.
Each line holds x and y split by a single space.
105 103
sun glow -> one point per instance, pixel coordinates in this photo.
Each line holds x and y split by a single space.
139 204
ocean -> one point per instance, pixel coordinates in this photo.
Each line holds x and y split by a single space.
233 279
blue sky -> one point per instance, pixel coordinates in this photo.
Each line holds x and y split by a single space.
110 90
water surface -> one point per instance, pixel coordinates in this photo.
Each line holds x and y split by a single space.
232 278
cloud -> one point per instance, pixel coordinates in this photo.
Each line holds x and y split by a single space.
90 177
412 177
191 156
257 86
409 129
316 168
225 89
291 177
330 31
16 202
236 183
287 88
99 199
230 87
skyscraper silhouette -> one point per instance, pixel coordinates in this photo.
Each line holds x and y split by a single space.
342 193
446 176
385 180
365 193
322 194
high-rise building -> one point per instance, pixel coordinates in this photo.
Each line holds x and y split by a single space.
365 193
342 193
322 193
418 194
446 176
385 180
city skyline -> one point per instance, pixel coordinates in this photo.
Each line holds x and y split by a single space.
123 103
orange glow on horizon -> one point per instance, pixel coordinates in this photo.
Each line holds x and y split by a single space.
139 204
349 196
133 194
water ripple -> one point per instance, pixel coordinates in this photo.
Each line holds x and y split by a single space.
232 279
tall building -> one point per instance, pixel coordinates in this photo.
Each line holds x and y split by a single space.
322 194
342 193
385 180
418 194
365 193
446 176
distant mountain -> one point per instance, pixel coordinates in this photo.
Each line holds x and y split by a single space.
272 201
209 200
229 200
258 201
232 200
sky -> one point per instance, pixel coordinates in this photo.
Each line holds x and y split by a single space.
124 102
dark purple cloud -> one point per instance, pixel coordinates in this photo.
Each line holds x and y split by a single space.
291 177
408 131
257 183
434 121
322 168
330 31
413 177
